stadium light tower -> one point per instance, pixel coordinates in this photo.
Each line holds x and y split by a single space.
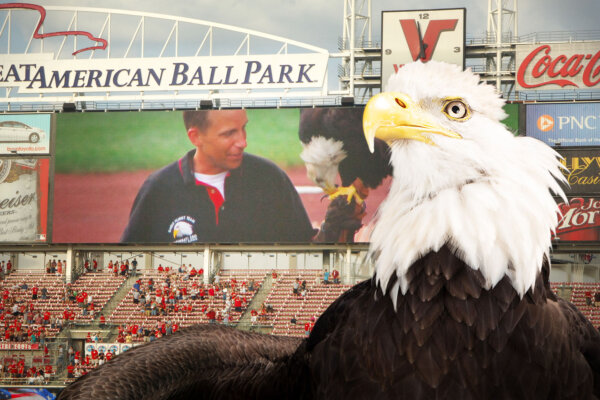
356 45
502 33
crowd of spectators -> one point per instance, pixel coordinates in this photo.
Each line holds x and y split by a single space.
33 374
163 302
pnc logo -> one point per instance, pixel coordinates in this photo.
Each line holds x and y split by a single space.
545 123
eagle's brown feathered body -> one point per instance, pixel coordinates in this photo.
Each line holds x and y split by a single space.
452 339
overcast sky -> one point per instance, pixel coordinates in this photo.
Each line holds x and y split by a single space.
319 22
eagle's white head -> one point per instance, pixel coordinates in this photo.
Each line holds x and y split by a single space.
460 178
322 157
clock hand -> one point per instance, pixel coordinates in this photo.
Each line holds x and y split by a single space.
422 45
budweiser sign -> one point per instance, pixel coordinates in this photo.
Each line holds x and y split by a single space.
559 66
580 220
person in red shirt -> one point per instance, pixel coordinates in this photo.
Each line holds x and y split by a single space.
8 266
47 316
34 292
307 328
70 369
102 320
335 275
109 355
95 265
94 356
160 268
201 272
193 272
211 315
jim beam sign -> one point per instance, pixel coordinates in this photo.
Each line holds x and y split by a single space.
558 66
423 35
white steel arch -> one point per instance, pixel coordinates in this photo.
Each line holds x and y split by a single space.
60 34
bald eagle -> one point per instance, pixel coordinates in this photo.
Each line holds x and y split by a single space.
333 143
459 306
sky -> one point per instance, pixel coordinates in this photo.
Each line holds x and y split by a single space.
320 22
315 22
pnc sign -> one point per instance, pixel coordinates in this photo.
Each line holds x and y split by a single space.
564 124
559 66
421 35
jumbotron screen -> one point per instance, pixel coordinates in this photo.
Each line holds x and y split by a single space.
131 177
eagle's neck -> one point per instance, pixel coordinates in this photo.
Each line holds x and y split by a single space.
498 220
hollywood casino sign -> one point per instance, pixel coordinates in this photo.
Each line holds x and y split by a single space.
566 65
183 73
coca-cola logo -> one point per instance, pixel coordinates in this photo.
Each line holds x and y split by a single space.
541 64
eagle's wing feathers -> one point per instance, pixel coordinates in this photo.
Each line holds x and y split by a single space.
203 361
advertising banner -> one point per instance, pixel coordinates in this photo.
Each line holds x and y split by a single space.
564 124
556 66
424 35
580 220
48 75
583 170
25 133
23 199
115 348
19 346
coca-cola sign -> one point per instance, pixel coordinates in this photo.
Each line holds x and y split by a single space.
558 66
580 220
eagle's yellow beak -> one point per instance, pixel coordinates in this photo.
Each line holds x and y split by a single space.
390 116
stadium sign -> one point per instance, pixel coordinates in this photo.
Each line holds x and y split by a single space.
421 35
19 346
112 62
558 66
45 75
564 124
582 169
580 220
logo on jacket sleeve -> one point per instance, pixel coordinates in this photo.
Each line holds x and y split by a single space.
182 229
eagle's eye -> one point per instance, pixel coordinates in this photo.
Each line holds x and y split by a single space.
456 110
400 103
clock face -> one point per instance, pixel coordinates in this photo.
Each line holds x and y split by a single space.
421 35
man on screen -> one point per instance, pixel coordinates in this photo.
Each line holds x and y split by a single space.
217 192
